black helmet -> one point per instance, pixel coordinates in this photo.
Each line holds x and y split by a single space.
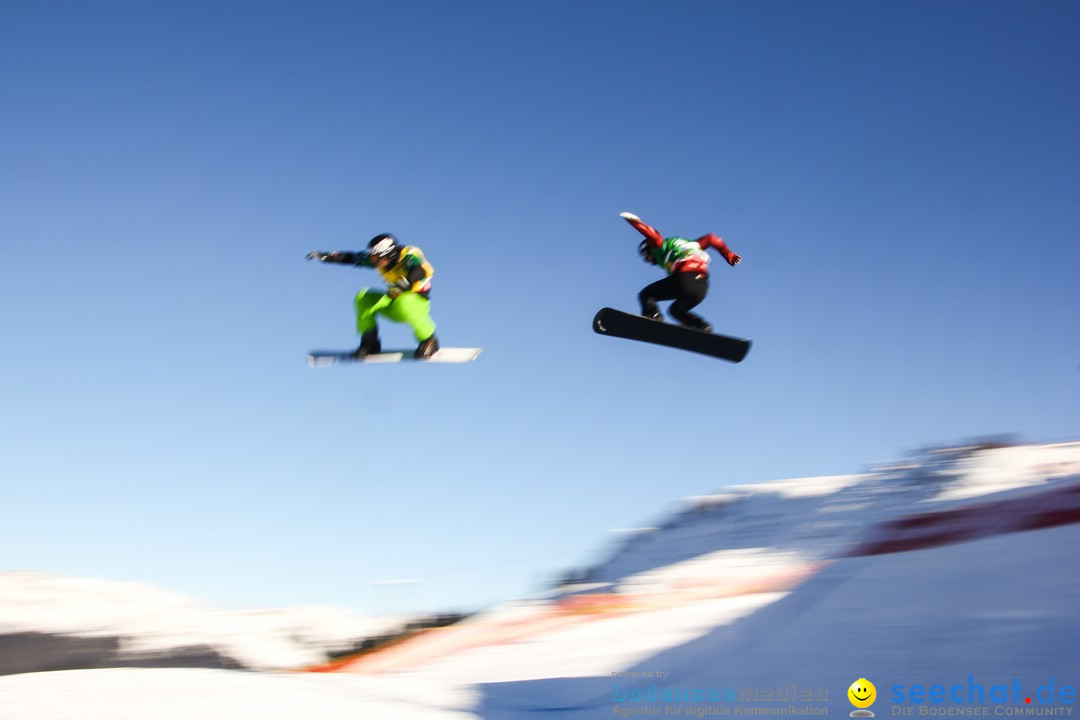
646 252
383 245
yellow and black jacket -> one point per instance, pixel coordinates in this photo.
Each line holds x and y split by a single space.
409 271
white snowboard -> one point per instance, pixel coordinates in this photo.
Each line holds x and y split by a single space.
325 358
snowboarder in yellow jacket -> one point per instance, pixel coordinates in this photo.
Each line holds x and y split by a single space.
405 300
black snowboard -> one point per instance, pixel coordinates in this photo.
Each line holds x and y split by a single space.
634 327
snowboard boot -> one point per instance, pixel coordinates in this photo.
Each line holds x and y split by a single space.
427 348
695 322
369 345
650 310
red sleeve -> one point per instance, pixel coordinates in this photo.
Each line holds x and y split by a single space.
715 241
655 239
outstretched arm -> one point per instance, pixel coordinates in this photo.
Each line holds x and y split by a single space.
655 239
715 241
342 258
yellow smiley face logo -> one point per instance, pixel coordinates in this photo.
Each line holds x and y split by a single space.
862 693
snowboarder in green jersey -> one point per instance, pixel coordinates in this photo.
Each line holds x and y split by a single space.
405 300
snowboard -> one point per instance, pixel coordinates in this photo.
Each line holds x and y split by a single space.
635 327
325 358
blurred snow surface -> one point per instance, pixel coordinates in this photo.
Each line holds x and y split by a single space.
758 593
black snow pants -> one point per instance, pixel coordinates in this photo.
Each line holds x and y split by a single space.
686 289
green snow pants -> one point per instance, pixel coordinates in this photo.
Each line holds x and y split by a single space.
408 308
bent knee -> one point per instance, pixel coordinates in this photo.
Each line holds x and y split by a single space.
367 296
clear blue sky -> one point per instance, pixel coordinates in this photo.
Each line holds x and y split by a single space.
901 178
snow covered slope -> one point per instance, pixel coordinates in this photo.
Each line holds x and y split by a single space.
1003 610
816 518
49 623
954 570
